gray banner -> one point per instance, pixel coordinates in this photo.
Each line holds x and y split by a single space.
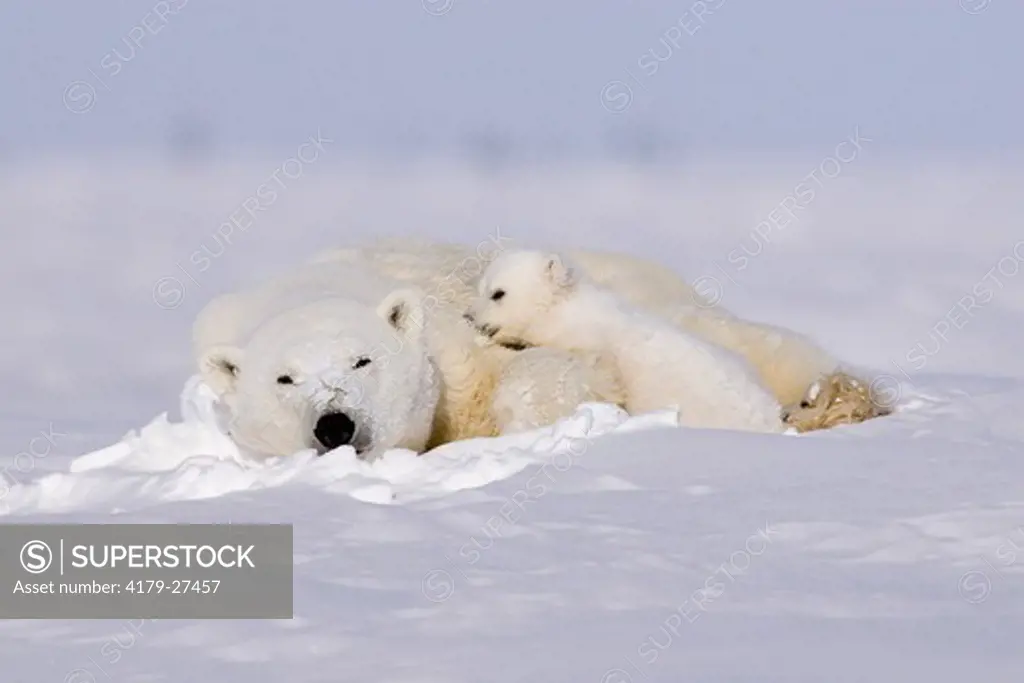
145 571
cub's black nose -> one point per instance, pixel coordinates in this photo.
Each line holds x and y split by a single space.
334 429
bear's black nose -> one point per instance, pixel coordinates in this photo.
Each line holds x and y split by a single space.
334 429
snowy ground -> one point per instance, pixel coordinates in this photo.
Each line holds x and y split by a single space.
891 551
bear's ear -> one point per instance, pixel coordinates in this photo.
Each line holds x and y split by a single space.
220 366
404 310
563 275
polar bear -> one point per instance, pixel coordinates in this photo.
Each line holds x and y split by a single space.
787 363
321 373
319 320
539 299
484 387
538 386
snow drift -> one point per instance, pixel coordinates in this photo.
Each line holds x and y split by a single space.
890 551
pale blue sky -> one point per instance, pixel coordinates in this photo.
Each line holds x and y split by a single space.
387 77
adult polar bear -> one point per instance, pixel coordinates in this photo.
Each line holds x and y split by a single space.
239 337
307 361
328 355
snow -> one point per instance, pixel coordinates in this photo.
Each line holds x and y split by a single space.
194 459
606 548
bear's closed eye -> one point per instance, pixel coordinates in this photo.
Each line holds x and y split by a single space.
498 295
361 363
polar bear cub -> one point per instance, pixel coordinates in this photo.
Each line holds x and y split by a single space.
528 298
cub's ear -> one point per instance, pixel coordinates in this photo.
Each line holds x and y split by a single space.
562 273
403 310
219 367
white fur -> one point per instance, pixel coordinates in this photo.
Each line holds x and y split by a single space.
270 333
539 386
542 300
786 361
483 388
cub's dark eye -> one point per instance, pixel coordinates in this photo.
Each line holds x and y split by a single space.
285 379
361 363
498 295
805 404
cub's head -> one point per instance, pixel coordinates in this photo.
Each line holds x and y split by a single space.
329 374
517 292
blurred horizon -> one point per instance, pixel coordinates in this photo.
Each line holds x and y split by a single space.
506 84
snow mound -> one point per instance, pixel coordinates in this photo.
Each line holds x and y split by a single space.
195 459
